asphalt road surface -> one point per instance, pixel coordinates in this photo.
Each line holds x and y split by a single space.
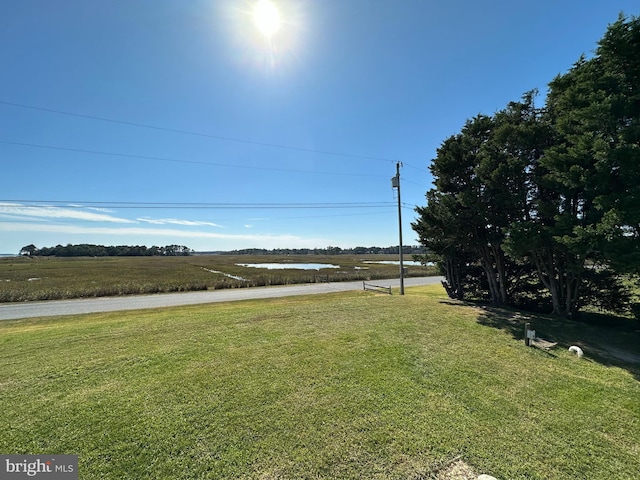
12 311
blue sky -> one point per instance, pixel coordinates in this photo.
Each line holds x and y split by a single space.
159 122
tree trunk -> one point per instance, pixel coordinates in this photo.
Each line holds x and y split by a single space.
563 285
493 264
455 288
502 274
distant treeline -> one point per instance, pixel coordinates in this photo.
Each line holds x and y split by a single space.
87 250
408 250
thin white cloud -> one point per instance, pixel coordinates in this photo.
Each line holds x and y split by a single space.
54 224
135 232
174 221
95 209
15 211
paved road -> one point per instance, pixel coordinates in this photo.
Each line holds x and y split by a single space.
11 311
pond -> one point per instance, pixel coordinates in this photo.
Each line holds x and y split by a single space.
282 266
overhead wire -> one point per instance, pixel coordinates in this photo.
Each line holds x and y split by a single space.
416 168
175 160
219 164
22 203
381 208
198 134
63 220
404 180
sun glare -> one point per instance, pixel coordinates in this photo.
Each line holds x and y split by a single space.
267 34
266 17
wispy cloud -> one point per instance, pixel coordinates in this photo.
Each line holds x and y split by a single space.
95 209
43 212
60 224
138 232
17 211
174 221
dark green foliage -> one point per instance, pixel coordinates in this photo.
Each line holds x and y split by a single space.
605 290
393 250
538 195
87 250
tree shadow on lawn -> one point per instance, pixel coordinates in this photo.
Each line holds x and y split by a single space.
609 340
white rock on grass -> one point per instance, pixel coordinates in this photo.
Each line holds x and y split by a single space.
577 350
486 477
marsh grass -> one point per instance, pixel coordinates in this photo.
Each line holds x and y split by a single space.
49 278
348 385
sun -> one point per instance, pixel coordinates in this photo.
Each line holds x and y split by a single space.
266 17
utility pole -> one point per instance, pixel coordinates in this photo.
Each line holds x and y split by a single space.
395 183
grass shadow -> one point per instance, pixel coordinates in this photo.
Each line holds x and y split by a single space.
606 339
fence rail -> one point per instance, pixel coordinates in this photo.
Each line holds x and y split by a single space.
376 288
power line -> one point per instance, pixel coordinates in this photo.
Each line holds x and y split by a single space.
414 167
175 160
63 220
334 215
186 132
21 203
404 180
206 135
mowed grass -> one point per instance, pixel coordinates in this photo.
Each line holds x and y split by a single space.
347 385
51 278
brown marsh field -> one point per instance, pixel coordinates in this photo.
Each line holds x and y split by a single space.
51 278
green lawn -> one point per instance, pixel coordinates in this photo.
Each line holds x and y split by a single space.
349 385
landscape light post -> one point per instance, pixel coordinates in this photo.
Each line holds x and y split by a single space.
395 183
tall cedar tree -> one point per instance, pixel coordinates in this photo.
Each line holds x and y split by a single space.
556 190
